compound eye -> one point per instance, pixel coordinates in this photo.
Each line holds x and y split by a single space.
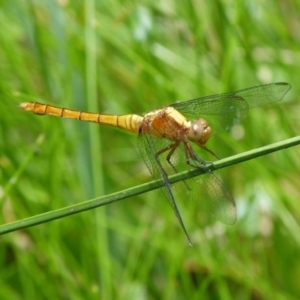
196 130
199 131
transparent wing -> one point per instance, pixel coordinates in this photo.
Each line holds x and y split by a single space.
222 111
149 146
211 196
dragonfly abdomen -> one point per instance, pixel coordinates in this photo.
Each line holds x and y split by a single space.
130 122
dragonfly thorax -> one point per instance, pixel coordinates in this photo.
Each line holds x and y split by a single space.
199 132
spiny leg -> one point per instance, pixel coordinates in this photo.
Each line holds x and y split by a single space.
173 147
190 155
211 152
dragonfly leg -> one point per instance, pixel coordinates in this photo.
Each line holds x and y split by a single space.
211 152
172 149
175 145
190 155
194 161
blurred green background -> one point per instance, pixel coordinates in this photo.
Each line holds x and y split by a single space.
124 57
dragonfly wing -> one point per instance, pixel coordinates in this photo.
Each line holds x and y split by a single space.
220 111
264 94
223 111
210 194
149 146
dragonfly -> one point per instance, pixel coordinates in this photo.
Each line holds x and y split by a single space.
167 139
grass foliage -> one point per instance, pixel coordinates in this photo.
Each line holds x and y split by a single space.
131 57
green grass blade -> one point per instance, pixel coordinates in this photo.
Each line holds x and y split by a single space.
143 188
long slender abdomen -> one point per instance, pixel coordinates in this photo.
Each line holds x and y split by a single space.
130 122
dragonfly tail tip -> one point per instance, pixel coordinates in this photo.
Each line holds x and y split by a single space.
23 105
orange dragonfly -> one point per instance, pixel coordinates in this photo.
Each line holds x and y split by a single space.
166 137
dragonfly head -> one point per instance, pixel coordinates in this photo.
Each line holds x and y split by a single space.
199 132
